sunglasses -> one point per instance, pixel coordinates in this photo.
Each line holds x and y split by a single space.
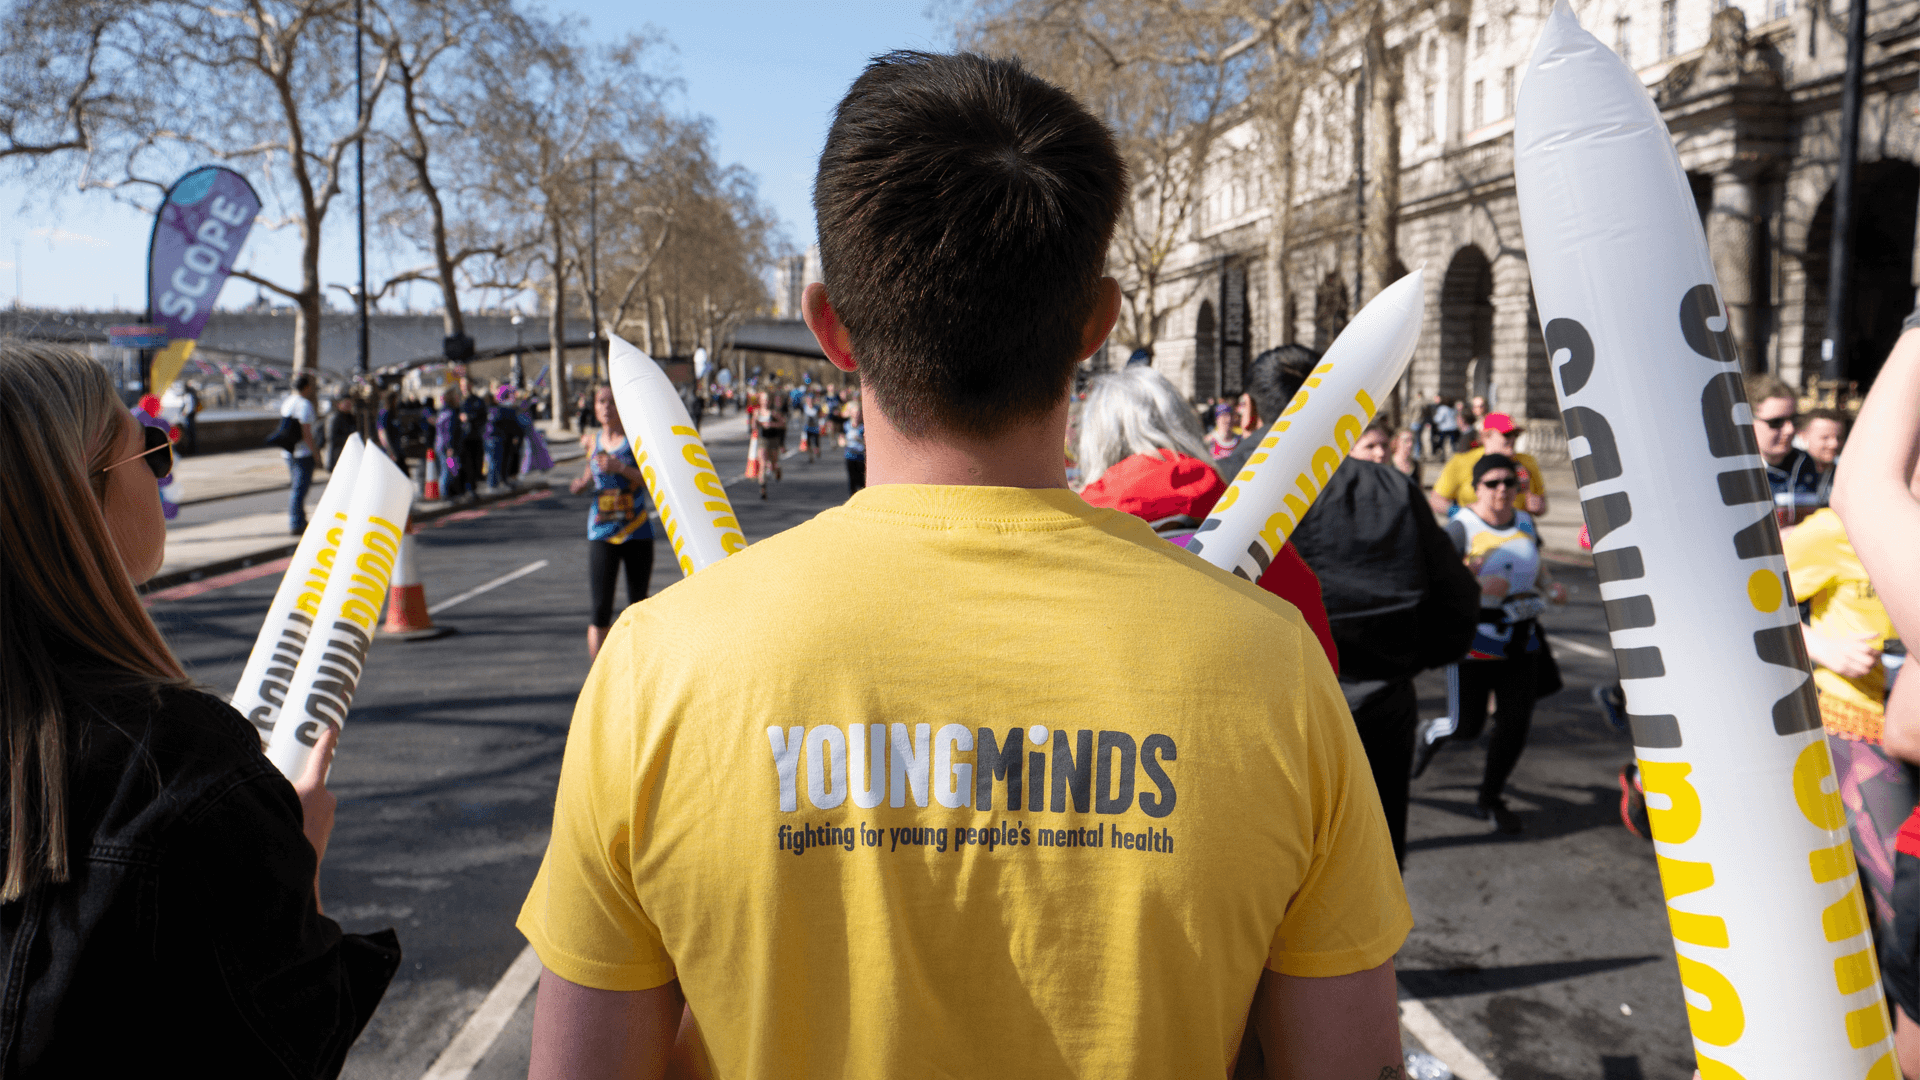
1776 423
160 463
1500 482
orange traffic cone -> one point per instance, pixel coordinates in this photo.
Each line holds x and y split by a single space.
432 492
407 616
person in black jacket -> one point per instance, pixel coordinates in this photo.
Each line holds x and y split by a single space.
1398 598
340 424
159 878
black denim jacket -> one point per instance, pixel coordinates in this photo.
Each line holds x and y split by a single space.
188 934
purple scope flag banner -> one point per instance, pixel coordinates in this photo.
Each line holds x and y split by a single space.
196 236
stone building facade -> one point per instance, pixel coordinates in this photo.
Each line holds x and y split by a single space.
1751 92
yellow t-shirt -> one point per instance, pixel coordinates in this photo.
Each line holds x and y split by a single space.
1017 808
1456 478
1826 572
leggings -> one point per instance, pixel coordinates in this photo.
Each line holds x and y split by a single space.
604 561
1512 683
1878 792
1386 714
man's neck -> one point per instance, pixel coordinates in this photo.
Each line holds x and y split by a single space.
1030 455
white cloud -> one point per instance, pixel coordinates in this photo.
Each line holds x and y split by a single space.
59 236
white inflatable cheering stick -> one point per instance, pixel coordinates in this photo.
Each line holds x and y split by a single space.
289 621
322 687
673 460
1764 902
1315 433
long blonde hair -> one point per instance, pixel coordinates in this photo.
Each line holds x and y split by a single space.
71 626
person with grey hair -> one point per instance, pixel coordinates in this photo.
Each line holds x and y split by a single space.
1135 411
1142 453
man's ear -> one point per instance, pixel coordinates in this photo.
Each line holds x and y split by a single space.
826 327
1106 311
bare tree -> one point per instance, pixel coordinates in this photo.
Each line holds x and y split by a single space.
545 108
264 86
52 98
431 142
1170 76
1163 75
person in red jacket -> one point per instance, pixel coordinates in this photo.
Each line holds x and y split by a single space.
1142 453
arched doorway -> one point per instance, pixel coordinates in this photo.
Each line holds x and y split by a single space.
1206 354
1541 404
1880 282
1329 310
1702 187
1466 325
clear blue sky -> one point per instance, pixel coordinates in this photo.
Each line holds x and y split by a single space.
767 71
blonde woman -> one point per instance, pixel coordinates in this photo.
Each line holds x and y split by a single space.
158 870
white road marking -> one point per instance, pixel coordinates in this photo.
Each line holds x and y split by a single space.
1582 648
476 1037
1440 1042
488 587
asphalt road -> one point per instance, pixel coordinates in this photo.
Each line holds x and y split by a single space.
1546 954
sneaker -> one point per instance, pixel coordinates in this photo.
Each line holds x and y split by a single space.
1612 702
1425 745
1633 802
1500 818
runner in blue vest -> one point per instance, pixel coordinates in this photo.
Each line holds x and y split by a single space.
618 530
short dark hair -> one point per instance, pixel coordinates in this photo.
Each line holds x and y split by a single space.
1764 387
1490 462
1834 415
1275 376
964 209
303 380
1385 429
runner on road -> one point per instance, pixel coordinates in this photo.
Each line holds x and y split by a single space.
619 530
770 429
1498 433
1502 548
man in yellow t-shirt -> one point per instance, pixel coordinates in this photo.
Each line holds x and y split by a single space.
1019 808
1497 435
1848 626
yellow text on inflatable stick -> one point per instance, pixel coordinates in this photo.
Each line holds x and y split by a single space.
1313 434
321 690
694 509
288 624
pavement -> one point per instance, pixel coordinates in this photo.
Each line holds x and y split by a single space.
1543 956
247 525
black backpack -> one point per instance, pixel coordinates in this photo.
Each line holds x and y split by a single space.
286 436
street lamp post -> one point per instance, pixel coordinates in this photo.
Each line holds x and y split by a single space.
360 169
1833 350
593 258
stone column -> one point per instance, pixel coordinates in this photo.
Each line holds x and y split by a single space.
1512 299
1733 230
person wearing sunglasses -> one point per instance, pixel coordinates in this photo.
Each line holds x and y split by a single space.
1502 548
147 842
1792 473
